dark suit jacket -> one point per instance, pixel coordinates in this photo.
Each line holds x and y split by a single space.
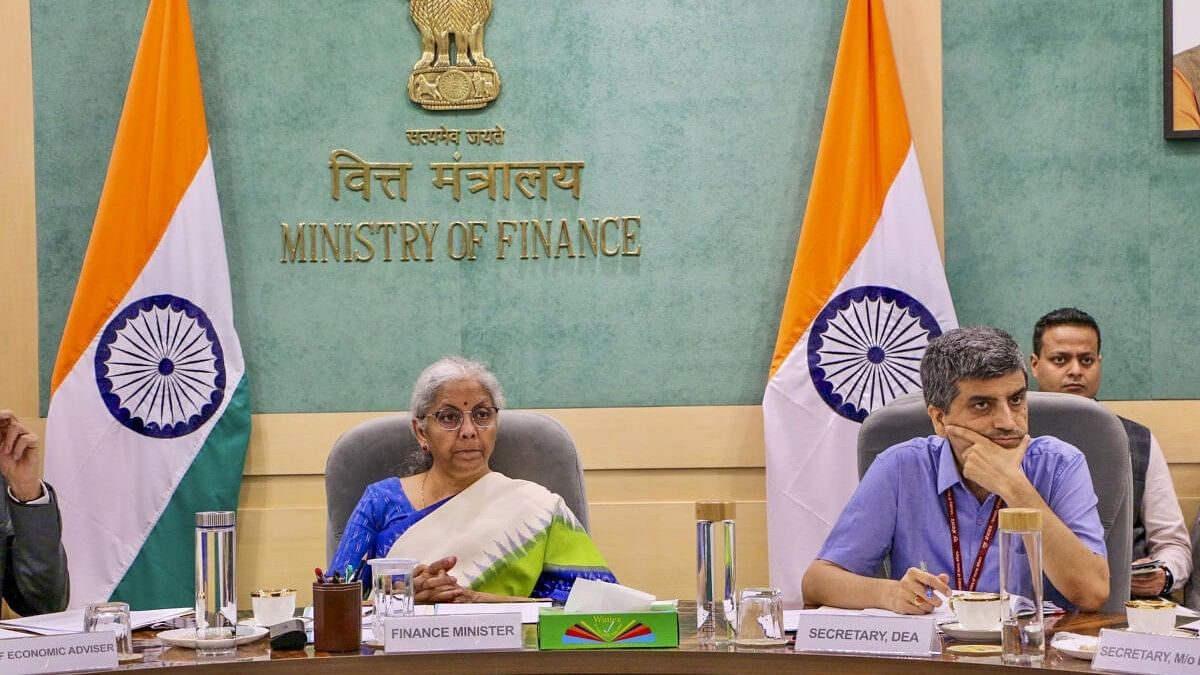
35 565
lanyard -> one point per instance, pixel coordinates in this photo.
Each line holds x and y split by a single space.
988 534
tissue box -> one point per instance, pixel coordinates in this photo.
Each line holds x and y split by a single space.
656 627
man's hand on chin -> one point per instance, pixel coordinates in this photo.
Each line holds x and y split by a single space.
20 458
988 463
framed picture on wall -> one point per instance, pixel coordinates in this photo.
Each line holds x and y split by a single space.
1181 68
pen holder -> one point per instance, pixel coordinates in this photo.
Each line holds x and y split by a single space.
337 617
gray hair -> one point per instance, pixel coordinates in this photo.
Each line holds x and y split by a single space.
975 353
451 369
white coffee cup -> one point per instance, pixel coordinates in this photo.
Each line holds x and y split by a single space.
1150 616
977 611
273 605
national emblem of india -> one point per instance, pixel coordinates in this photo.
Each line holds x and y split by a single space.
466 81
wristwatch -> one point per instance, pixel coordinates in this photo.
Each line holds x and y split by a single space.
1168 582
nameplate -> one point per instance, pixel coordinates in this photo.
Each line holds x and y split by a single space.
1125 652
58 653
453 633
865 634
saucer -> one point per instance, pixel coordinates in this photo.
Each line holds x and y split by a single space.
956 631
1078 646
186 637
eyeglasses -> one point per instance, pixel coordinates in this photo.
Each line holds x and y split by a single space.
451 418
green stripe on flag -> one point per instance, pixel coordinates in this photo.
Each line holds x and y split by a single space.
164 572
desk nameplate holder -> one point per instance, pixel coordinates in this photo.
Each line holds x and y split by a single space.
867 634
453 633
59 653
1122 651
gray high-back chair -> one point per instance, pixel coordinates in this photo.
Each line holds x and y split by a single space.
1077 420
1191 592
529 445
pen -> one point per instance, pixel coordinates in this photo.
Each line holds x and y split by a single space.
349 573
928 589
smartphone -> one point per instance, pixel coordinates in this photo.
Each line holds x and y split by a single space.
1145 569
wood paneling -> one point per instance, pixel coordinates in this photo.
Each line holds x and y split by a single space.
1176 425
675 485
651 545
18 227
649 438
916 28
278 547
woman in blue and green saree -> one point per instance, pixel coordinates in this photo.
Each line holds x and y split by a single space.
479 535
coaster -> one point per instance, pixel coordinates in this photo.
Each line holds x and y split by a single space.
956 631
975 650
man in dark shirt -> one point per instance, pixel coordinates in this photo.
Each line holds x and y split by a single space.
1066 358
35 565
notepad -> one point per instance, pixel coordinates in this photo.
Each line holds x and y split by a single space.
71 621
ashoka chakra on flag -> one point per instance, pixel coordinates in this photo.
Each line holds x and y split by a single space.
159 367
865 349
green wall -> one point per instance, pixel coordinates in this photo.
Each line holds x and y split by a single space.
701 117
1060 189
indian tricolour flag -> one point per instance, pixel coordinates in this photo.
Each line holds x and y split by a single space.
867 293
149 414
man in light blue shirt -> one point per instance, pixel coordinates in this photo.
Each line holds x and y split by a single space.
975 384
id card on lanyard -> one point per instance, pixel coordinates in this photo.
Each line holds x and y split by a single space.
956 542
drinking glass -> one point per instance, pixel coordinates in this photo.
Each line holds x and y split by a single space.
760 617
114 616
391 589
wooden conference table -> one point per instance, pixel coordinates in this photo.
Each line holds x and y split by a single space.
258 658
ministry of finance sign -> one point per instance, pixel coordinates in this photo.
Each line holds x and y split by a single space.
440 82
323 241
